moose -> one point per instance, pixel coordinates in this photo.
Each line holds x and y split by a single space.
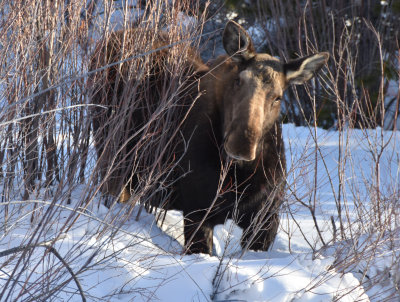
234 162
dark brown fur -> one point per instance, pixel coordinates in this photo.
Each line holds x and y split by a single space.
234 127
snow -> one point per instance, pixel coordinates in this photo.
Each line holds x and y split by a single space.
130 260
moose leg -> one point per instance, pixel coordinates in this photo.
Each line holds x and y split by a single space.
259 235
198 236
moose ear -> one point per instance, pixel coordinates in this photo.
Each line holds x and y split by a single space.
301 70
237 42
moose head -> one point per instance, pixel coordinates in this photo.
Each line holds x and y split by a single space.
254 88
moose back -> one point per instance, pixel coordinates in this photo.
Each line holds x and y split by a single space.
233 163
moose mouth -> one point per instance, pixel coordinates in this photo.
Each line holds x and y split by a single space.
240 149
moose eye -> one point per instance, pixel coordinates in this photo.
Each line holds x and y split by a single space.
277 100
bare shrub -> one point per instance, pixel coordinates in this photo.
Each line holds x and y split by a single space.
49 67
361 229
296 28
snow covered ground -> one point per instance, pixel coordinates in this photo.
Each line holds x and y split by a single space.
137 261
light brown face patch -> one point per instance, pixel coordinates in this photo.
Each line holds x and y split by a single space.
252 106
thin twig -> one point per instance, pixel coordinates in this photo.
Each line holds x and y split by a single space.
49 245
